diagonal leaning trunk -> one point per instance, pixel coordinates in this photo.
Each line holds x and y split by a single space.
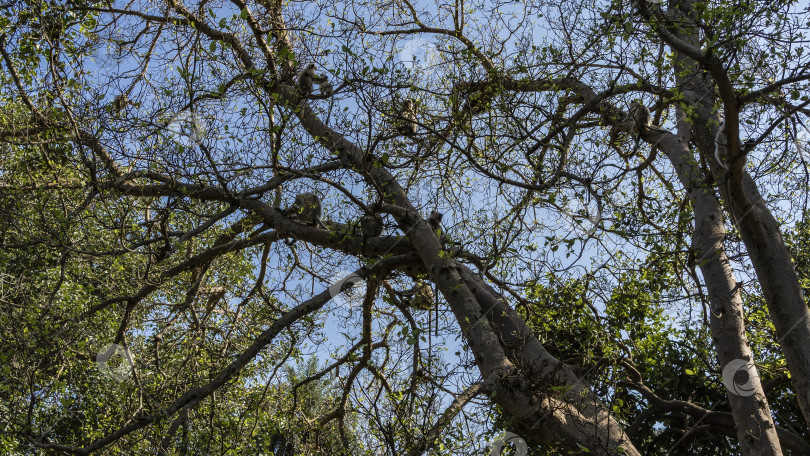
518 372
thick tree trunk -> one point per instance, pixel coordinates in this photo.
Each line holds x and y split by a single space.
749 406
543 370
517 370
519 378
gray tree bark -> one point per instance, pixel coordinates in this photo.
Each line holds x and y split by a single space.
759 229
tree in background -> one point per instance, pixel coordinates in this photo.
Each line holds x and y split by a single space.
608 276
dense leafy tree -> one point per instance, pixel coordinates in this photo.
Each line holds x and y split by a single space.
598 284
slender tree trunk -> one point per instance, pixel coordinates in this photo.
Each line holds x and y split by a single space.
749 405
759 229
780 285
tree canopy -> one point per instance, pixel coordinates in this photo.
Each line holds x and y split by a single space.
521 226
